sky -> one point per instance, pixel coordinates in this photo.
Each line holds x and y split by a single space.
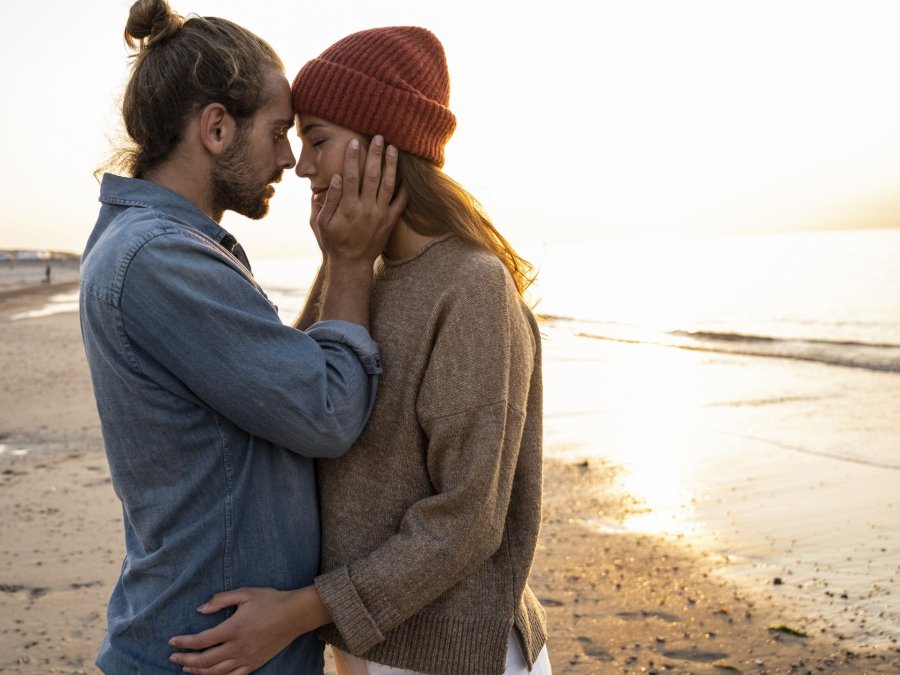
576 121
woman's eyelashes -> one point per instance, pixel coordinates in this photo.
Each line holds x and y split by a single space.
312 142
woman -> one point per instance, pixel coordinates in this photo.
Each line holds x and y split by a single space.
430 522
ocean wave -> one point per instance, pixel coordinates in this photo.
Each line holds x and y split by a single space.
740 337
876 356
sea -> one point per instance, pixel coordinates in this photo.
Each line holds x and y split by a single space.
829 297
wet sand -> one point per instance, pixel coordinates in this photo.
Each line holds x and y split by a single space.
618 601
776 470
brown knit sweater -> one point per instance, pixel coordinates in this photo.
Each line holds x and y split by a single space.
429 523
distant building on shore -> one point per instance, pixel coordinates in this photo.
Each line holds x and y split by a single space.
27 255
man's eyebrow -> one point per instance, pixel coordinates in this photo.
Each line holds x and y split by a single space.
282 123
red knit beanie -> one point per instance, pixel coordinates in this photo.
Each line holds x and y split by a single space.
389 81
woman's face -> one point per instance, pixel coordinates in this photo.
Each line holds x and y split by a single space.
322 155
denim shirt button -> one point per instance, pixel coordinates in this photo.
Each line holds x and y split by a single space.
377 362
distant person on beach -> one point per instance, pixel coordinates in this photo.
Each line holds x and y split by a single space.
211 408
430 522
47 275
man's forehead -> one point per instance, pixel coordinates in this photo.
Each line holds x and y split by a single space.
278 100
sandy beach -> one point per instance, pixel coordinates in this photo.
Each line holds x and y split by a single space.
619 600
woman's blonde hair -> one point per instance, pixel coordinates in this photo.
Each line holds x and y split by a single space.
437 204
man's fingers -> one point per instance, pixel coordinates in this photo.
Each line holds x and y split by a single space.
389 179
332 199
351 168
357 228
373 170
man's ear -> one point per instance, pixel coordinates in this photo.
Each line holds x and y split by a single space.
217 128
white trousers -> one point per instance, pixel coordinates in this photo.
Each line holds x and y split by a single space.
347 664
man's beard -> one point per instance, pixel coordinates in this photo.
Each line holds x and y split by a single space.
235 186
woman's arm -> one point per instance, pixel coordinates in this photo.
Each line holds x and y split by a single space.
264 623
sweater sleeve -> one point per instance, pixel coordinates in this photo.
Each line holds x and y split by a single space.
471 407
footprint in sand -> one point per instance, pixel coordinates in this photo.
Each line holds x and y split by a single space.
632 616
695 655
592 650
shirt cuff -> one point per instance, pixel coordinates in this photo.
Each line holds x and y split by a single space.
352 335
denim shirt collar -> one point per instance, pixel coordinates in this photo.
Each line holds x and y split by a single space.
147 194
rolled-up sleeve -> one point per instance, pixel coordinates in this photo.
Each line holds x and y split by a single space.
192 321
352 335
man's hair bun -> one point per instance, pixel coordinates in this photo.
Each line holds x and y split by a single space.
150 21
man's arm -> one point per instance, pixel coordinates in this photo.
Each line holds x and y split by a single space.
192 322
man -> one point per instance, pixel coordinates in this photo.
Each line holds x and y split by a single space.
211 408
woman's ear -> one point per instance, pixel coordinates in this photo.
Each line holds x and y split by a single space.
217 128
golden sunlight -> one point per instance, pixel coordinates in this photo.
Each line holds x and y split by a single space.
657 398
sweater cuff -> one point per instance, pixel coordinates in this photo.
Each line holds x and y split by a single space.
348 612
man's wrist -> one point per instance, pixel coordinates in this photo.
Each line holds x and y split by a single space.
347 287
346 276
340 267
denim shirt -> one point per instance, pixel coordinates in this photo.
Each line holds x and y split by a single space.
211 411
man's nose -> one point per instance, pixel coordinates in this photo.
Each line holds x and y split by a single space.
287 160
